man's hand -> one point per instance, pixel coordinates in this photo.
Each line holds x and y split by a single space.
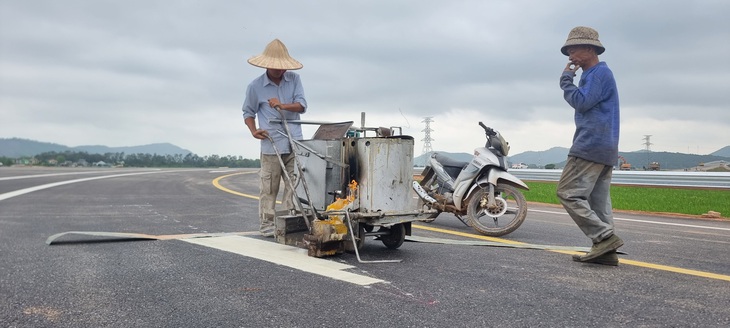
275 103
570 67
260 134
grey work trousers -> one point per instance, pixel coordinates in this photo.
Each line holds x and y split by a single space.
585 192
271 176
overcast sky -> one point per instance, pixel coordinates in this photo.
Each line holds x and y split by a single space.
135 72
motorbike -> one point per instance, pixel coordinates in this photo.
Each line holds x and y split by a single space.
481 189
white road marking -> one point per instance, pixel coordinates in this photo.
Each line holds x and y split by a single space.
650 222
285 255
225 171
15 193
49 175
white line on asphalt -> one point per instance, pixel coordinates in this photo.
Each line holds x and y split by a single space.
48 175
651 222
12 194
285 255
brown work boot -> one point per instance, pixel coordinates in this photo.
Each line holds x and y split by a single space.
610 244
610 258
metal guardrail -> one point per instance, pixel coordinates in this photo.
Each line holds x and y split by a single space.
715 180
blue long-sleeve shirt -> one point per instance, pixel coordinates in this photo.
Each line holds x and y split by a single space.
256 105
596 105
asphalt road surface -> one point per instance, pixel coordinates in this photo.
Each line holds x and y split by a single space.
675 273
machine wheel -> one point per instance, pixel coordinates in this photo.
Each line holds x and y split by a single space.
506 216
396 237
360 236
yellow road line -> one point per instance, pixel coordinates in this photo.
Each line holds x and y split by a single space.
217 184
622 261
507 241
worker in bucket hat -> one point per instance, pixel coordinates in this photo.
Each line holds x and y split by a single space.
585 183
275 93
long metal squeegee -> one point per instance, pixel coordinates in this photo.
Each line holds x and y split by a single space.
117 236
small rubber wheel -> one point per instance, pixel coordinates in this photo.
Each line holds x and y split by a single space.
395 238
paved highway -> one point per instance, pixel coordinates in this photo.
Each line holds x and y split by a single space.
676 271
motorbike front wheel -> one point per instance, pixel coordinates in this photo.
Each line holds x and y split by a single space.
504 217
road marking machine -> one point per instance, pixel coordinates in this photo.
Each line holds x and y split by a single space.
351 183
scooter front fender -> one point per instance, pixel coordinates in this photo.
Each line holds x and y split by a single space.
494 177
500 176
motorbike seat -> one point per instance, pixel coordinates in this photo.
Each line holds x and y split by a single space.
451 166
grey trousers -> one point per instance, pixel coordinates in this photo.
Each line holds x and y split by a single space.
585 192
271 176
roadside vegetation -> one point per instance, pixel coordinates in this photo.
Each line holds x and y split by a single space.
75 159
647 199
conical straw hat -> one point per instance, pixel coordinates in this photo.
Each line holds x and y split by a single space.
275 56
582 35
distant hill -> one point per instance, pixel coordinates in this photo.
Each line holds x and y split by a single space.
541 158
668 161
638 159
421 160
16 147
724 152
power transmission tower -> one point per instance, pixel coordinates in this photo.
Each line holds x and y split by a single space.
427 139
647 142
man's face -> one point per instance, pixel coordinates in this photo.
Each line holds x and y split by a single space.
275 73
580 55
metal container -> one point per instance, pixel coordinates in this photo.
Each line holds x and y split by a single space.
383 168
324 179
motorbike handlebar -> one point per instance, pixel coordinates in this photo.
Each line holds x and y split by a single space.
489 131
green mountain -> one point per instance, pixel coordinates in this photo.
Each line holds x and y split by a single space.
639 160
724 152
16 148
669 161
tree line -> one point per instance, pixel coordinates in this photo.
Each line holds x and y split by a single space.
70 158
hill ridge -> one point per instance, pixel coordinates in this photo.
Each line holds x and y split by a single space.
19 147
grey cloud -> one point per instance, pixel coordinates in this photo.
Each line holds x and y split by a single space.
164 62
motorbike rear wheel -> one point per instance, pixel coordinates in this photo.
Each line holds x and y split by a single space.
508 214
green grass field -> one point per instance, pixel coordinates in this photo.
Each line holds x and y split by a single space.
647 199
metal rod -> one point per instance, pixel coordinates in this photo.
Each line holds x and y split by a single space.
301 172
354 243
276 120
292 186
325 158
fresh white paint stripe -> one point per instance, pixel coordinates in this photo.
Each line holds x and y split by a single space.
12 194
285 255
650 222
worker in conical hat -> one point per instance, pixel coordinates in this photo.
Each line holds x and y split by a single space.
275 93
